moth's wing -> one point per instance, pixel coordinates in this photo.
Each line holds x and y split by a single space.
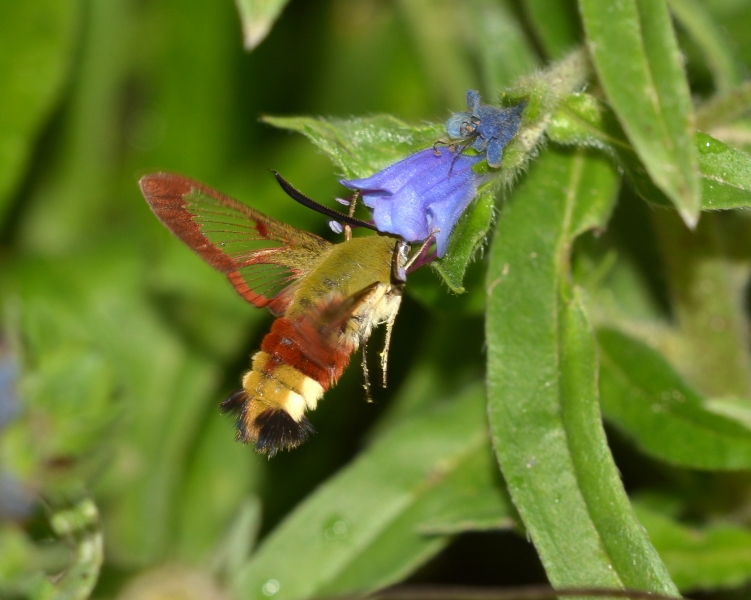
263 258
327 327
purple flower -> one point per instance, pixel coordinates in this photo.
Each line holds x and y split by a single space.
425 192
487 128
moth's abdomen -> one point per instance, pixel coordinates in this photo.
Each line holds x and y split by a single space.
288 376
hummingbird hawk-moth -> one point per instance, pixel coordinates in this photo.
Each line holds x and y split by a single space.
327 298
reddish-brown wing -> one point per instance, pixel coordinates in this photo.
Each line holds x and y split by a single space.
263 258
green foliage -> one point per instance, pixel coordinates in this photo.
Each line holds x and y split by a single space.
645 397
542 385
258 18
595 297
633 47
715 556
35 53
371 524
361 146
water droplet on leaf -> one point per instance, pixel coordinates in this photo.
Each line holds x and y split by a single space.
336 528
271 587
709 145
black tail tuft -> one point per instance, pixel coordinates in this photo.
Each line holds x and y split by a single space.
277 430
234 402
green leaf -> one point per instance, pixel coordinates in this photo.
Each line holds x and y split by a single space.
362 146
72 191
715 556
74 388
435 36
646 399
359 530
583 120
233 550
542 386
22 563
468 499
736 409
101 125
471 500
638 63
711 39
499 41
724 108
80 523
258 17
726 172
555 23
707 295
65 564
466 239
36 48
221 474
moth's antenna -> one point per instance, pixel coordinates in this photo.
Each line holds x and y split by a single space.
298 196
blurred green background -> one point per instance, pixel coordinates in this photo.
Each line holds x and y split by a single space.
117 343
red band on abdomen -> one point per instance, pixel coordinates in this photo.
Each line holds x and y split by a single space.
293 344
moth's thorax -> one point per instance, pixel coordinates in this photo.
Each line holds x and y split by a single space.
347 269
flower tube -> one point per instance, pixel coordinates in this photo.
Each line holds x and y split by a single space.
423 194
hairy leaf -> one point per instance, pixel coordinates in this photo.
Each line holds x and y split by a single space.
258 17
638 63
359 530
725 171
646 399
542 374
714 556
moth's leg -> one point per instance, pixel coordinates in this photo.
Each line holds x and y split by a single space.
365 372
386 346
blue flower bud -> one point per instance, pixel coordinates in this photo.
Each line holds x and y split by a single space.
487 128
423 194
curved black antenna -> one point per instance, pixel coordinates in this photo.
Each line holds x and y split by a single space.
298 196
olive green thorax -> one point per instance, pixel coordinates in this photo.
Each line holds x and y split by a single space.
348 268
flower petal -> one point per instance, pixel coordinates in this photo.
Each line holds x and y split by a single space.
426 191
487 128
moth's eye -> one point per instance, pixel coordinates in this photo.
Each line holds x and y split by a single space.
404 251
398 261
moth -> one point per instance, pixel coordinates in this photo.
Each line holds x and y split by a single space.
327 298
